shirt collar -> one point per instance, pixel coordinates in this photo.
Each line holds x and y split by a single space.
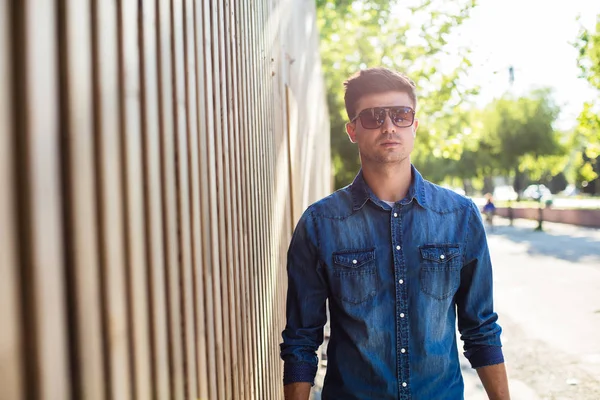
361 192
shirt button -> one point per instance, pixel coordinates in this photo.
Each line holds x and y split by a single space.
404 384
442 256
401 315
402 350
395 214
354 261
398 247
401 281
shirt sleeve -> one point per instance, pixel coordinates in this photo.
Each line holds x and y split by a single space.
477 321
305 309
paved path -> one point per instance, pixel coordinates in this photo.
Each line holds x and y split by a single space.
547 291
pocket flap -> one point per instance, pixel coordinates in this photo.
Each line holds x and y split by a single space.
353 258
440 253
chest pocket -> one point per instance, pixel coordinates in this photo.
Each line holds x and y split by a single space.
439 272
353 278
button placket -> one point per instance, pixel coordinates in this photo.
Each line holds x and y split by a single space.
401 301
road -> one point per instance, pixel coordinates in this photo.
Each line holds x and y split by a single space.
547 295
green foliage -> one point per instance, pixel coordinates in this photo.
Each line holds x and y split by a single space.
518 135
508 137
357 34
587 133
588 45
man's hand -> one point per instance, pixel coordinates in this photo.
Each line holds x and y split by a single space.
495 381
297 391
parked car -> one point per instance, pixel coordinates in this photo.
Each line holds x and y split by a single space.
537 192
570 190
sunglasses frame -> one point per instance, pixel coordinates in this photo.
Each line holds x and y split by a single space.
387 110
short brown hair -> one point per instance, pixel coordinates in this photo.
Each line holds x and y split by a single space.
376 80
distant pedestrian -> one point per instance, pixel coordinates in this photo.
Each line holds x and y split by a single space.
489 209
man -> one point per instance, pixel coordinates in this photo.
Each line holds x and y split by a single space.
399 259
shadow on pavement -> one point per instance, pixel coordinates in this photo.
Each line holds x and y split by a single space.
567 243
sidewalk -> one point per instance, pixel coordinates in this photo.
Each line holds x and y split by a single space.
547 296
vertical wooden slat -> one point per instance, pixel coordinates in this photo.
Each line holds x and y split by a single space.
168 177
206 318
220 280
257 187
183 196
210 215
283 171
273 136
38 156
135 225
235 193
194 85
110 207
227 135
11 366
263 251
153 204
252 211
80 201
246 128
252 215
271 179
268 197
242 129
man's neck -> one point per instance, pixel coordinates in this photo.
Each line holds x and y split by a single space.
389 182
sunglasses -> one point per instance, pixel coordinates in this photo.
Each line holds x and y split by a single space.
373 118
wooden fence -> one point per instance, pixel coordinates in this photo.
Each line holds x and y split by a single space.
154 158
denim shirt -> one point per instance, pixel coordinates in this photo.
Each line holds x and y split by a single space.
396 279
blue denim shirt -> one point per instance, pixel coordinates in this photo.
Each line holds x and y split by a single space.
396 280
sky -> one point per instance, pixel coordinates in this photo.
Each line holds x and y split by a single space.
535 37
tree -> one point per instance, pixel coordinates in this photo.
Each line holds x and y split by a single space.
587 133
517 136
360 33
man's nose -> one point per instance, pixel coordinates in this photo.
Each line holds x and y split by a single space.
388 125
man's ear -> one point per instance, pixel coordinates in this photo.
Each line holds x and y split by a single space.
415 127
351 131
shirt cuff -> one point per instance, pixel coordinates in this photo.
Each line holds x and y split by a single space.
299 372
485 355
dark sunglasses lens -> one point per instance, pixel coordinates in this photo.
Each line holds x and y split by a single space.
402 116
372 118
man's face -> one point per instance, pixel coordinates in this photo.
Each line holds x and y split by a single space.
388 144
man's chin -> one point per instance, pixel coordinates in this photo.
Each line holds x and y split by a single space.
385 158
390 159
